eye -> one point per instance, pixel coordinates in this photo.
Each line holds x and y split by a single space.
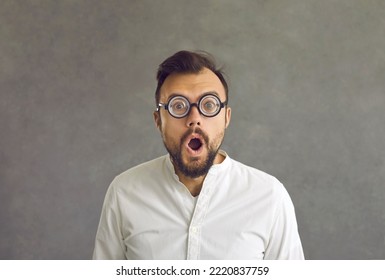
209 105
178 106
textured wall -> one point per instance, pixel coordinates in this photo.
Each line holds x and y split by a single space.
307 88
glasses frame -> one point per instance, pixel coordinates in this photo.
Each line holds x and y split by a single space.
190 105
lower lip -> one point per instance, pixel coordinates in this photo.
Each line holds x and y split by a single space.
194 152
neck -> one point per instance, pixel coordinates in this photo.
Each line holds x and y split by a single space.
194 185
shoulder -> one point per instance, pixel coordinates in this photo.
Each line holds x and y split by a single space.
142 174
242 170
255 180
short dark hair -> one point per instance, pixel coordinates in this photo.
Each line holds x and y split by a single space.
187 62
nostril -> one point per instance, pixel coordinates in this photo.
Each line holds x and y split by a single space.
194 123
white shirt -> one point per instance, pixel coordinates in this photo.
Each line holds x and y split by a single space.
240 213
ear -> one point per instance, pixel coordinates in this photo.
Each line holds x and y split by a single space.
157 119
228 116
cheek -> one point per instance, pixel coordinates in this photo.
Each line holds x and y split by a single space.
218 132
219 125
163 123
171 128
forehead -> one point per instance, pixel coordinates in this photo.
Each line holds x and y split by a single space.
192 85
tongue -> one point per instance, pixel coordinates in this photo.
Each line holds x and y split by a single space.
195 144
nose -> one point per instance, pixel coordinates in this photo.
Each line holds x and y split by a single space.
194 117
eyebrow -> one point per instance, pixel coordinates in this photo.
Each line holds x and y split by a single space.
199 97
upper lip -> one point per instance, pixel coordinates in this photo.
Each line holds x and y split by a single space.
194 136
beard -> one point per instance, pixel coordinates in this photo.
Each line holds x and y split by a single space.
195 168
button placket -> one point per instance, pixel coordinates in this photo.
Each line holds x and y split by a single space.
194 239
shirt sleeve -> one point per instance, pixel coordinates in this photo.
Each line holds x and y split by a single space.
109 243
284 242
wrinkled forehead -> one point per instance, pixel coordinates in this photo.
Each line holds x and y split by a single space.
192 85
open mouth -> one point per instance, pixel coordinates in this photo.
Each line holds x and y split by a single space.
195 144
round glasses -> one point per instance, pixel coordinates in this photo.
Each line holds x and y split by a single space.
209 105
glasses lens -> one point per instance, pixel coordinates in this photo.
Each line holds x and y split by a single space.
178 106
210 105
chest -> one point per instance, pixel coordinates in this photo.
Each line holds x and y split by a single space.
233 231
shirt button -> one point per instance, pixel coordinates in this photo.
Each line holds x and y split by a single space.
194 229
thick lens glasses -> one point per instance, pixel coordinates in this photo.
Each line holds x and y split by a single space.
209 105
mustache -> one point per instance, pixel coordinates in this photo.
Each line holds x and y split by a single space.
195 131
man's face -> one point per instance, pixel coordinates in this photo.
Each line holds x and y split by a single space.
194 140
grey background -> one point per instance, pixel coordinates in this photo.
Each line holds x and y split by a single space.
77 84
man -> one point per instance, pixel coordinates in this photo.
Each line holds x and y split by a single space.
196 202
